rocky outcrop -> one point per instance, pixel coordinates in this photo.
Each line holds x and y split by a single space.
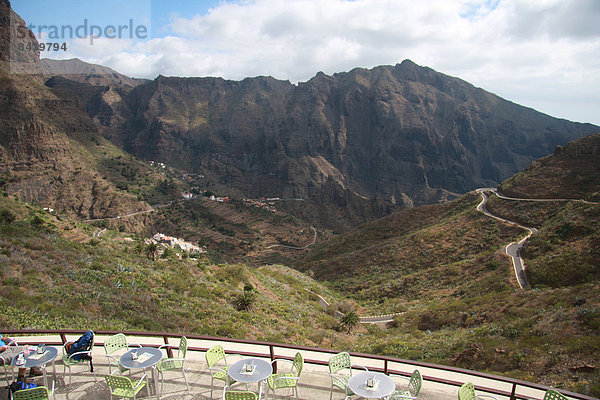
572 172
48 150
19 53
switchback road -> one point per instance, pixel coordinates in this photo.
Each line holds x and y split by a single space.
512 249
371 319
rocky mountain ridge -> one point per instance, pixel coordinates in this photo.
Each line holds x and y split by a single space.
573 171
354 145
399 136
80 71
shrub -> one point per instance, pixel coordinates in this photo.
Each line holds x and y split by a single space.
168 252
7 217
344 306
244 301
37 222
349 321
231 273
151 250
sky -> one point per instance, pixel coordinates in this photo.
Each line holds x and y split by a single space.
543 54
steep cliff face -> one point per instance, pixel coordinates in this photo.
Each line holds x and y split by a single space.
354 145
404 134
49 146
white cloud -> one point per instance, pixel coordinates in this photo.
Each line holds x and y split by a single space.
543 54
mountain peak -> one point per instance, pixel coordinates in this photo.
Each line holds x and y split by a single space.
408 63
81 71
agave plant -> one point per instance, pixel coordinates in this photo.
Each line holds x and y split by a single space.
245 300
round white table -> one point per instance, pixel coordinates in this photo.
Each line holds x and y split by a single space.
384 385
261 371
34 359
147 357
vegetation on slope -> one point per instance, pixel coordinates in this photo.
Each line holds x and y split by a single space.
572 172
48 281
445 269
414 254
564 252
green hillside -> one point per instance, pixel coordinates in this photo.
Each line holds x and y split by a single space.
444 269
50 281
412 255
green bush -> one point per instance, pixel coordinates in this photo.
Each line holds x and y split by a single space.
245 300
349 321
7 217
231 273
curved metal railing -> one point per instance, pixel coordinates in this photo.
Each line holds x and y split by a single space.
513 389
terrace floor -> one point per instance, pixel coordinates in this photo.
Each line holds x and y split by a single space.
314 384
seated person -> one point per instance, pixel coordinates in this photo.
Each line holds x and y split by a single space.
4 343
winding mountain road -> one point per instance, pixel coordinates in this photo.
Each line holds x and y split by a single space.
512 249
294 247
371 319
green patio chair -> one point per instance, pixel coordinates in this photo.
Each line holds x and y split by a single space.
414 387
115 346
286 379
175 363
340 370
122 386
216 360
240 395
37 393
76 358
467 392
552 394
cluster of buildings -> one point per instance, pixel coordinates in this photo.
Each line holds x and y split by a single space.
171 241
261 204
219 199
187 195
157 164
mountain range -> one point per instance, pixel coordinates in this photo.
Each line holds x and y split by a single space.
354 146
336 151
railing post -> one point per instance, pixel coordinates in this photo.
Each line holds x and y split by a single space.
169 349
272 351
385 367
512 393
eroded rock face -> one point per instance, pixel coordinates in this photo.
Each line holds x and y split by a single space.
572 172
19 53
355 145
404 134
44 138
